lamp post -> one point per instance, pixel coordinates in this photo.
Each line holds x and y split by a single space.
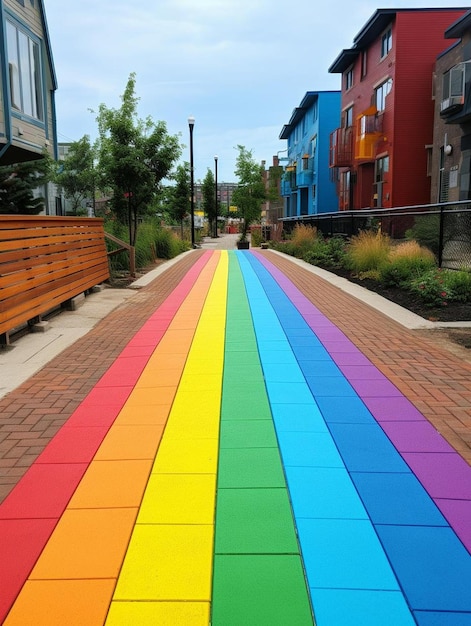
216 197
191 123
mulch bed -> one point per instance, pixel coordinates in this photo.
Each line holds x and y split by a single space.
452 312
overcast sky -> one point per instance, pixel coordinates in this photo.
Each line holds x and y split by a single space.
239 67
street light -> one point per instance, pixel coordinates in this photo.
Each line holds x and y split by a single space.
216 196
191 123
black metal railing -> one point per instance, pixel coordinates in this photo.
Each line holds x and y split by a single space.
445 228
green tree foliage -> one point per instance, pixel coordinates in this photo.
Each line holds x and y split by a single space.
76 176
135 155
179 196
209 198
250 192
19 185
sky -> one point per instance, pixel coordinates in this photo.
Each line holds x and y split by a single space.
239 67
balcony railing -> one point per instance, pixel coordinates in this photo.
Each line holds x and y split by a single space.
341 147
304 178
285 187
369 127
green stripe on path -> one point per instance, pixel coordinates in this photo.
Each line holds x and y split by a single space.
258 576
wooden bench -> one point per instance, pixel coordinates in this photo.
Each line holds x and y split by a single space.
45 261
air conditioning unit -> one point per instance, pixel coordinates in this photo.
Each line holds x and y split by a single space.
451 104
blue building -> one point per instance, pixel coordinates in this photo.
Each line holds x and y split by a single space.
307 186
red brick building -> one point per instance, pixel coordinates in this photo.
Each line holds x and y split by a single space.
381 153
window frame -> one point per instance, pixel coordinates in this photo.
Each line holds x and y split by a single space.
25 67
349 78
386 42
364 63
348 117
383 90
381 168
449 81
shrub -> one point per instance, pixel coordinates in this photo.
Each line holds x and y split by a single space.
302 239
327 253
256 237
287 247
432 288
303 235
426 231
152 242
411 251
367 251
167 245
145 250
406 262
459 282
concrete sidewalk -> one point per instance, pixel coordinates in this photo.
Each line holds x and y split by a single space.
383 360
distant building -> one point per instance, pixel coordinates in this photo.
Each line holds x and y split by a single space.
381 153
272 210
27 108
307 187
225 191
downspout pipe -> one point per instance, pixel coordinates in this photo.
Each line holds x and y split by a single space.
5 83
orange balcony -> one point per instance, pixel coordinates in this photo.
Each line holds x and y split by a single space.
369 126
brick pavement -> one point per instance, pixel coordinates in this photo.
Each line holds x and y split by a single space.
437 381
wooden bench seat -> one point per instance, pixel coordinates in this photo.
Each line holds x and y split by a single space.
46 261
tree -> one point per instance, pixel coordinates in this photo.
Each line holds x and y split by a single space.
76 175
19 185
179 200
250 192
135 155
209 199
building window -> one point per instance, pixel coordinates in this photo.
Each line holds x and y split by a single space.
382 166
429 153
348 117
314 146
454 82
364 63
349 79
24 72
386 42
380 94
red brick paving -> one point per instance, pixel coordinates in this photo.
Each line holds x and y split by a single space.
437 381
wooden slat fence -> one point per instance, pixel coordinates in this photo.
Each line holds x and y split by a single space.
44 262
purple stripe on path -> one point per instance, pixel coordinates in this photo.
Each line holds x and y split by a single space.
460 512
395 409
416 437
444 475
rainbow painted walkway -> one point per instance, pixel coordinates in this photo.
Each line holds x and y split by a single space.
241 463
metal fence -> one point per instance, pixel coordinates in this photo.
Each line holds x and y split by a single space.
444 228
